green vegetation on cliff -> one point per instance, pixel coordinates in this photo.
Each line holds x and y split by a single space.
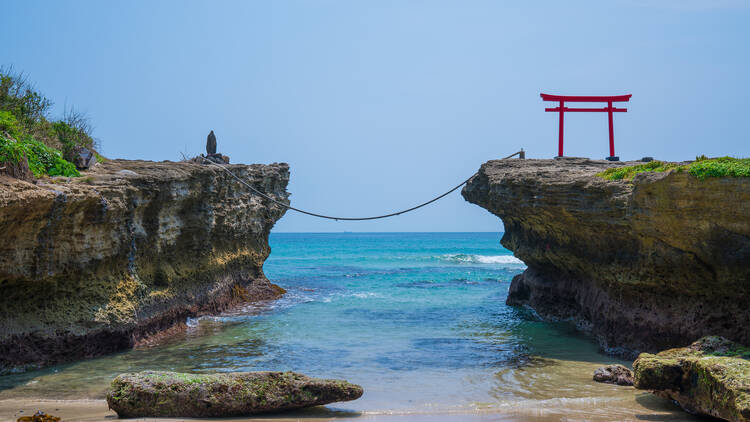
702 168
42 160
628 172
26 133
720 167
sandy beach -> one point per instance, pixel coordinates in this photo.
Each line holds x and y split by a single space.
643 408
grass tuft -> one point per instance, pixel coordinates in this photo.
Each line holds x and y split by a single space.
720 167
702 168
627 173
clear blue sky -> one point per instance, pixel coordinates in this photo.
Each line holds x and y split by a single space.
378 105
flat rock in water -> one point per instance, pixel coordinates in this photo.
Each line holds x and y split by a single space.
172 394
614 374
710 377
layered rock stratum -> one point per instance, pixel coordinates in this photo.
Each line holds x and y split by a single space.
95 264
644 265
171 394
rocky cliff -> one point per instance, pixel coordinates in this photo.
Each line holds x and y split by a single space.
646 264
94 264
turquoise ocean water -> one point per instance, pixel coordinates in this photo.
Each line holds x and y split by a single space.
418 319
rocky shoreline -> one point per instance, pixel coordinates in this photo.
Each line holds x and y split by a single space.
96 264
644 265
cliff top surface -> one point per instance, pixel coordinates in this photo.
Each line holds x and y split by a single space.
576 169
118 174
566 169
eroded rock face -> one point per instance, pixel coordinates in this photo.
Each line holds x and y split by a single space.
94 264
710 377
170 394
644 265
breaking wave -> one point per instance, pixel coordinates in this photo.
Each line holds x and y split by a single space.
481 259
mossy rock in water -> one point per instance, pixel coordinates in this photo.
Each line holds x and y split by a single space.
172 394
711 377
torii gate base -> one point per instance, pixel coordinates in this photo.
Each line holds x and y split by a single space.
562 99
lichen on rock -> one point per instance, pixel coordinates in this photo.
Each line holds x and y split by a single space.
710 377
171 394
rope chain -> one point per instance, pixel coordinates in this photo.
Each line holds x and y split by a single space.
393 214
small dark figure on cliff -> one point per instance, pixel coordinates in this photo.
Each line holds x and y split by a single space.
211 143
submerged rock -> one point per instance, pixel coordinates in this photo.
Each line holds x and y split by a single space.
614 374
171 394
710 377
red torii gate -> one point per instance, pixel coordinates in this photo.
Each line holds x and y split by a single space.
562 99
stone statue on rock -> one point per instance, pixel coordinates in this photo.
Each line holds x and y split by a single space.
211 155
211 143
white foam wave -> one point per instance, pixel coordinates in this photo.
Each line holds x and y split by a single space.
482 259
358 295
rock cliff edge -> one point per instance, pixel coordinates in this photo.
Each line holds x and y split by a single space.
644 265
92 265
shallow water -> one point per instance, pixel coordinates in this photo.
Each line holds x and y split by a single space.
418 319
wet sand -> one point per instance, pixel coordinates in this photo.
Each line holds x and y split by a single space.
651 409
544 390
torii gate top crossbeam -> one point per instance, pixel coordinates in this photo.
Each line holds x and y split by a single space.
587 98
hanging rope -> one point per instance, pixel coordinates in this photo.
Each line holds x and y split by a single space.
393 214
